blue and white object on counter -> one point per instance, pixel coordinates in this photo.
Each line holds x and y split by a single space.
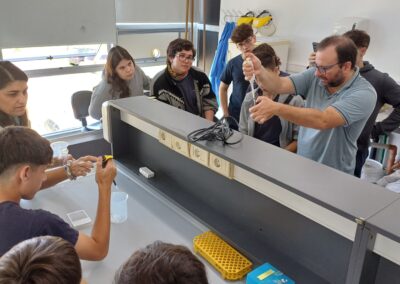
267 274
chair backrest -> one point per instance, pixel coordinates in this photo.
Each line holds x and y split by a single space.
80 102
390 155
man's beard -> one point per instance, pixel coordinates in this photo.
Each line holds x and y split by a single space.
337 81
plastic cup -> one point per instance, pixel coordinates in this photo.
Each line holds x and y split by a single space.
60 149
119 207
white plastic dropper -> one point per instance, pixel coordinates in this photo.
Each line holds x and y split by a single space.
252 80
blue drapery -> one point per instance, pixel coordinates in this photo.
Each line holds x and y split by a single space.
219 61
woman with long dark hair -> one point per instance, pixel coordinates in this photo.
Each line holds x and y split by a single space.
13 100
121 78
13 95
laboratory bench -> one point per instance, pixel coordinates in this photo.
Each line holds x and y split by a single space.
312 222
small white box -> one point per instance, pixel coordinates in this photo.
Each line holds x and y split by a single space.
79 218
146 172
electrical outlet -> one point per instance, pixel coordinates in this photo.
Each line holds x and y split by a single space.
165 138
181 146
199 155
221 166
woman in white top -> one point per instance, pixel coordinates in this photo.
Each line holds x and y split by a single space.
121 78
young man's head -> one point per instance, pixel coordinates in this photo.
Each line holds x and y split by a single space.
243 36
23 160
335 60
361 39
268 58
180 56
41 260
162 263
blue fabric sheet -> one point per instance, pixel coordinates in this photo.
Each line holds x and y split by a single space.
219 61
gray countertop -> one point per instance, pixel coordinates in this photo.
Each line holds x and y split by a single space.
386 223
337 191
150 218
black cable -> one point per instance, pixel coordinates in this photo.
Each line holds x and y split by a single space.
219 131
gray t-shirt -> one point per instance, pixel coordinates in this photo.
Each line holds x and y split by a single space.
355 101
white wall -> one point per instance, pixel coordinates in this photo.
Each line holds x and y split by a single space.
150 11
303 22
56 22
142 45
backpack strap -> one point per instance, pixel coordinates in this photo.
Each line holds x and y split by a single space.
288 99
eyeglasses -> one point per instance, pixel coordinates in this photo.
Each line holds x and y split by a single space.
245 42
324 69
184 58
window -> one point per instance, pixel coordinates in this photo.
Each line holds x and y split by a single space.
35 58
49 103
55 73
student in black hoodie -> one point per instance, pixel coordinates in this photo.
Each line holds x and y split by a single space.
388 92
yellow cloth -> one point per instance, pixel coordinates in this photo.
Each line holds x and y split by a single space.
260 22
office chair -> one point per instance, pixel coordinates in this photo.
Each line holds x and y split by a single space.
390 156
80 102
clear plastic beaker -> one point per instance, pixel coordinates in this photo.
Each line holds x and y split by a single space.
119 207
60 152
60 149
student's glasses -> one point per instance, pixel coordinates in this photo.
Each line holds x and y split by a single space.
182 57
324 69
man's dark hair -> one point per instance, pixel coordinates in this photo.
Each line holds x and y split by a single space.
162 263
345 48
359 37
241 33
21 145
178 45
41 260
267 56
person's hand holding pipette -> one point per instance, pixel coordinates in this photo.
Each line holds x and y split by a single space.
251 66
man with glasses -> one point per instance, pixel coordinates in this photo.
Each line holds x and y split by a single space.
338 102
245 40
183 86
